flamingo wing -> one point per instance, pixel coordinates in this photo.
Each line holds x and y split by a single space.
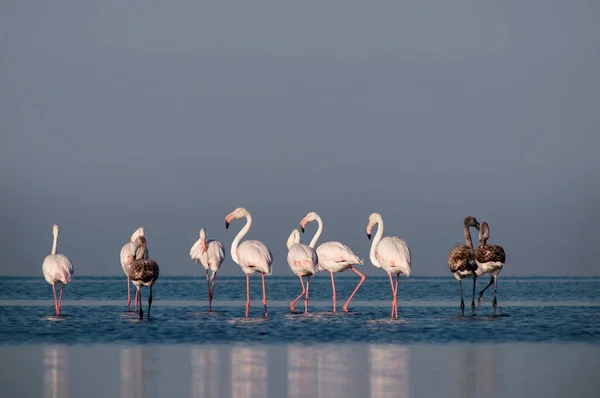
394 252
215 254
302 259
255 255
57 268
337 252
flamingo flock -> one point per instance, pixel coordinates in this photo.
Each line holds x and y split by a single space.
390 253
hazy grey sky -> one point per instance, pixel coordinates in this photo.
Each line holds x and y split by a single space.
168 115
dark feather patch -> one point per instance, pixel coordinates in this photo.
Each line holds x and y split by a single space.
490 253
461 258
144 270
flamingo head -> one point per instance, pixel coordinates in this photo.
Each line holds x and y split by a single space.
140 242
237 213
471 221
129 259
138 232
203 238
374 218
55 230
312 216
484 232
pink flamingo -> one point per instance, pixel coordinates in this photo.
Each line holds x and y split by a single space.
390 253
251 255
57 268
333 257
210 253
303 261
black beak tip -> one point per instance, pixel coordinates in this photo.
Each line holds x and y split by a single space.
226 224
369 236
302 228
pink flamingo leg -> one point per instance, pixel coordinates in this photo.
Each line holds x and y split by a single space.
396 295
333 287
247 294
264 296
128 294
306 297
293 303
393 293
209 292
60 299
362 279
55 301
137 298
212 291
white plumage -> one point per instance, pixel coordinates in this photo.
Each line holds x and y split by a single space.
129 249
333 257
251 255
57 268
390 253
210 253
303 261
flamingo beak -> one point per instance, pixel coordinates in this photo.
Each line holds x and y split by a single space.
226 224
369 236
369 232
302 224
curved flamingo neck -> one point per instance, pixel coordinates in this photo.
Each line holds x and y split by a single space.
293 239
315 238
54 244
238 238
467 233
376 241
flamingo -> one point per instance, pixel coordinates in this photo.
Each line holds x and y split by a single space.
251 255
490 259
333 257
57 268
461 261
210 253
143 272
390 253
303 261
126 250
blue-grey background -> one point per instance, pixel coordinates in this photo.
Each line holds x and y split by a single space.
168 115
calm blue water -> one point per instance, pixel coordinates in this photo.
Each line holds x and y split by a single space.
94 311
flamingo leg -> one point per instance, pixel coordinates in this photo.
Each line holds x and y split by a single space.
60 298
306 297
362 279
139 294
137 298
484 289
393 292
473 300
264 295
333 287
128 294
149 302
247 294
212 291
209 292
396 295
293 303
494 303
55 301
462 303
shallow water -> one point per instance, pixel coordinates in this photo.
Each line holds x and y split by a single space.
545 343
94 311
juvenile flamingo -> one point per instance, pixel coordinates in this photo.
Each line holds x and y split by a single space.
127 250
144 272
333 257
490 259
461 261
390 253
303 261
251 255
57 268
210 253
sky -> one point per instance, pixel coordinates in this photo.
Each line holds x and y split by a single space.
169 115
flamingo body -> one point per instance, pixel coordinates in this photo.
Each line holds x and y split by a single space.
210 253
393 255
129 249
336 257
303 261
57 268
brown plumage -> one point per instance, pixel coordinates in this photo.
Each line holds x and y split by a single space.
490 260
143 272
461 259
